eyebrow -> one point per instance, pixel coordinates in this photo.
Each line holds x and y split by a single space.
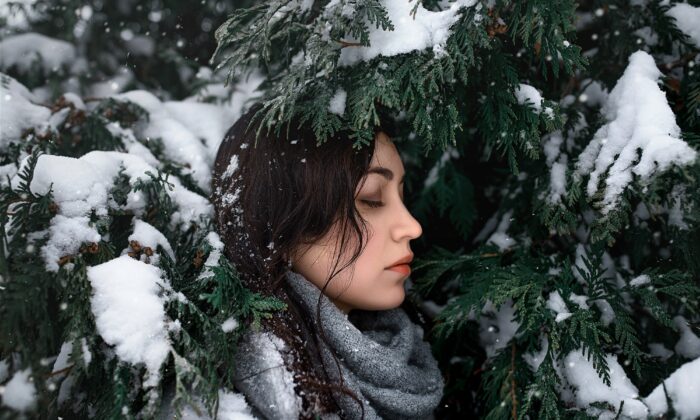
385 172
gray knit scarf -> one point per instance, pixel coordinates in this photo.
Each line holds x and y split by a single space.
383 357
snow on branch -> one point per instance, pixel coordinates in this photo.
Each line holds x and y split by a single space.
687 19
24 50
180 125
129 312
526 94
578 374
19 110
638 118
81 186
427 29
683 389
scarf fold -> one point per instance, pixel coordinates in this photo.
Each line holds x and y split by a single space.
382 355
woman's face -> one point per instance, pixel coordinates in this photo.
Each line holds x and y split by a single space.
379 199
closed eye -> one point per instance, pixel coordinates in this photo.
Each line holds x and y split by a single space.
372 203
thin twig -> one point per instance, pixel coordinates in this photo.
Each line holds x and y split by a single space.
349 44
60 371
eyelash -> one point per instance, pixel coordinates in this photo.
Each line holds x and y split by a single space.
372 203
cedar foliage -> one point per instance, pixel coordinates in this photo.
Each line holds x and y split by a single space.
474 159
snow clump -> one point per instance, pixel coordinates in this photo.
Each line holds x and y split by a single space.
638 118
427 29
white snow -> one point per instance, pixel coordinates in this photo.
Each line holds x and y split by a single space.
20 393
180 140
660 351
534 359
638 117
229 325
191 131
66 236
449 153
132 145
556 303
337 105
687 19
500 238
128 304
281 380
19 111
607 314
675 212
594 94
497 329
487 229
640 280
427 30
305 5
233 406
231 168
113 85
62 362
148 236
81 186
683 389
689 344
77 185
213 258
18 20
75 100
63 357
557 180
6 173
205 121
526 94
232 100
648 35
141 45
557 160
589 387
23 50
580 300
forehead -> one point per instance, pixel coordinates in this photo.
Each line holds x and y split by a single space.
386 154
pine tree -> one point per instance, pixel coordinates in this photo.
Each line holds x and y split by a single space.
551 157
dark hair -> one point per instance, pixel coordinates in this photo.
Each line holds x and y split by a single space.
273 192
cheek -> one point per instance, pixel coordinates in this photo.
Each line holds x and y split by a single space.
317 261
314 264
372 287
370 261
365 284
379 293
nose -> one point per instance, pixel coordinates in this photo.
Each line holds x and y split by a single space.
406 225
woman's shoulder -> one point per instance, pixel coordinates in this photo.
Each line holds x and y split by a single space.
262 376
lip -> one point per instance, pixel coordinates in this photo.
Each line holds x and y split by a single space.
404 269
402 266
405 260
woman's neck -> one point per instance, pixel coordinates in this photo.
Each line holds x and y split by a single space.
344 307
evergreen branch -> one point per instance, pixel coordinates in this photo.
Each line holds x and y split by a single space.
438 264
544 389
511 374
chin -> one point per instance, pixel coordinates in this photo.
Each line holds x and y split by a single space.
391 301
395 303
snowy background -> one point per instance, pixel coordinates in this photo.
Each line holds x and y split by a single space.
49 86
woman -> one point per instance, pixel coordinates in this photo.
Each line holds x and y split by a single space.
323 228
